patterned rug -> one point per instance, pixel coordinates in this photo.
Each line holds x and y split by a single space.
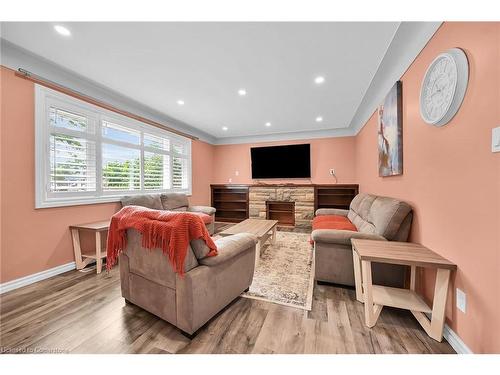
285 274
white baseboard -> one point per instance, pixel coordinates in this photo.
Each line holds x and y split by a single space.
30 279
454 340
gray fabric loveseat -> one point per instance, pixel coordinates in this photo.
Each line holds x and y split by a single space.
375 217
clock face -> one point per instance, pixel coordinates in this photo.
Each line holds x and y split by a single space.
439 88
443 87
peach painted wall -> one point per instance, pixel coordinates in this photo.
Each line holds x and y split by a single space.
452 179
326 153
36 240
202 166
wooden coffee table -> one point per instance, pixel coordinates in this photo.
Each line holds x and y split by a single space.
375 297
263 229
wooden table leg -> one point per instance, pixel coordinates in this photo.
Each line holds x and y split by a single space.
372 311
273 238
98 258
358 281
257 253
75 235
439 304
413 277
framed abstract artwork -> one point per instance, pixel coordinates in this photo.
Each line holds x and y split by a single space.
390 133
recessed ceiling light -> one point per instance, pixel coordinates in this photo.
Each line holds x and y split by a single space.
224 128
180 102
62 30
242 92
268 124
319 119
319 80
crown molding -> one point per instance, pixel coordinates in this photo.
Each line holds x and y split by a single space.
288 136
409 40
15 57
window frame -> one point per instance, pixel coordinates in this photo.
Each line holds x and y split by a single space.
46 98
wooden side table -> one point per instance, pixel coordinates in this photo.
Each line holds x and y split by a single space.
375 297
82 260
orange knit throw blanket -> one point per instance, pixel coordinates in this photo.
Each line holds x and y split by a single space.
168 230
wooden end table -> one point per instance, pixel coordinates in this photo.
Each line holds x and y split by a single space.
263 229
375 297
82 260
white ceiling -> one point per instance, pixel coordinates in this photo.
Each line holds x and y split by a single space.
205 64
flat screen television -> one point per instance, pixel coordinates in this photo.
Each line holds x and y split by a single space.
291 161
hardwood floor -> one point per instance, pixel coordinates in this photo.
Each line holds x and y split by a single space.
78 312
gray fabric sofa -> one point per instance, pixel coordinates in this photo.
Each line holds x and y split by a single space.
171 202
189 301
375 217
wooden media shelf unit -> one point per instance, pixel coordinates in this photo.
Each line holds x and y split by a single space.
231 202
334 196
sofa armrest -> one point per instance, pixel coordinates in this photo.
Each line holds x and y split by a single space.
204 209
229 247
331 211
341 237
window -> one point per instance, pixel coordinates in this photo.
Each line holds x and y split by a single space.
86 154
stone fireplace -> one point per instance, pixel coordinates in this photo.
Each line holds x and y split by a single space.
302 196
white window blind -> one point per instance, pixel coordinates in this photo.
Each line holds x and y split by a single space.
72 164
86 154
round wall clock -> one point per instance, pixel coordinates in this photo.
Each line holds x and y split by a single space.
443 88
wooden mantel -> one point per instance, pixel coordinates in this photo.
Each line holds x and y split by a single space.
287 185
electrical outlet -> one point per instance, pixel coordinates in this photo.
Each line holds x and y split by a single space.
236 173
332 171
495 140
461 300
230 180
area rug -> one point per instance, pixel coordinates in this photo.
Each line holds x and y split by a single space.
285 273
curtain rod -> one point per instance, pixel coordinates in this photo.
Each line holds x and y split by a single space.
23 73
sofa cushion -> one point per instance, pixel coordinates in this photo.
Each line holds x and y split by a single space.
387 214
341 237
174 201
358 212
145 200
332 222
378 215
360 206
229 247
